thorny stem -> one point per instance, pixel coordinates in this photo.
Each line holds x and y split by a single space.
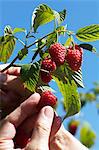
36 53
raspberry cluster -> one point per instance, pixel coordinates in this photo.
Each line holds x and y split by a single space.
58 55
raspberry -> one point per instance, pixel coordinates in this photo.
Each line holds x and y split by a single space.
47 67
74 57
57 53
47 98
73 125
46 77
73 129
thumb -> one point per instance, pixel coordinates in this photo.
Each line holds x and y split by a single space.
42 129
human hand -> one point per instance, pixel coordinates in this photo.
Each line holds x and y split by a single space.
40 127
27 117
12 91
62 140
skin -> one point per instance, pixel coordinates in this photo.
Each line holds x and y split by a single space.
43 126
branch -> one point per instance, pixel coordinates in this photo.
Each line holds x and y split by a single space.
11 64
36 53
44 37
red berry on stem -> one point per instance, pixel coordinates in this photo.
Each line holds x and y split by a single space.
47 98
73 126
74 57
46 77
73 129
57 52
47 67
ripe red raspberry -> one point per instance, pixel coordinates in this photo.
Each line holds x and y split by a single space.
47 67
58 52
47 98
74 57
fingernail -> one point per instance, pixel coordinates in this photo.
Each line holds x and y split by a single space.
3 77
48 112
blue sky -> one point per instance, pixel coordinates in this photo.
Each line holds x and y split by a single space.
17 13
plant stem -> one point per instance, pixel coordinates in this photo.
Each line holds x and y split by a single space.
11 64
36 53
39 40
44 37
38 50
19 41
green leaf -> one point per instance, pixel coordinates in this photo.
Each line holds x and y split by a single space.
97 105
90 97
45 88
96 88
18 30
62 15
68 88
51 39
57 16
7 30
88 47
30 75
77 76
88 33
87 136
7 45
42 15
40 43
61 30
68 42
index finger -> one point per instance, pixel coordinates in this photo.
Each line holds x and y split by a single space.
11 71
26 109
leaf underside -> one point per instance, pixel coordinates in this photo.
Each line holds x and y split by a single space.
42 15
